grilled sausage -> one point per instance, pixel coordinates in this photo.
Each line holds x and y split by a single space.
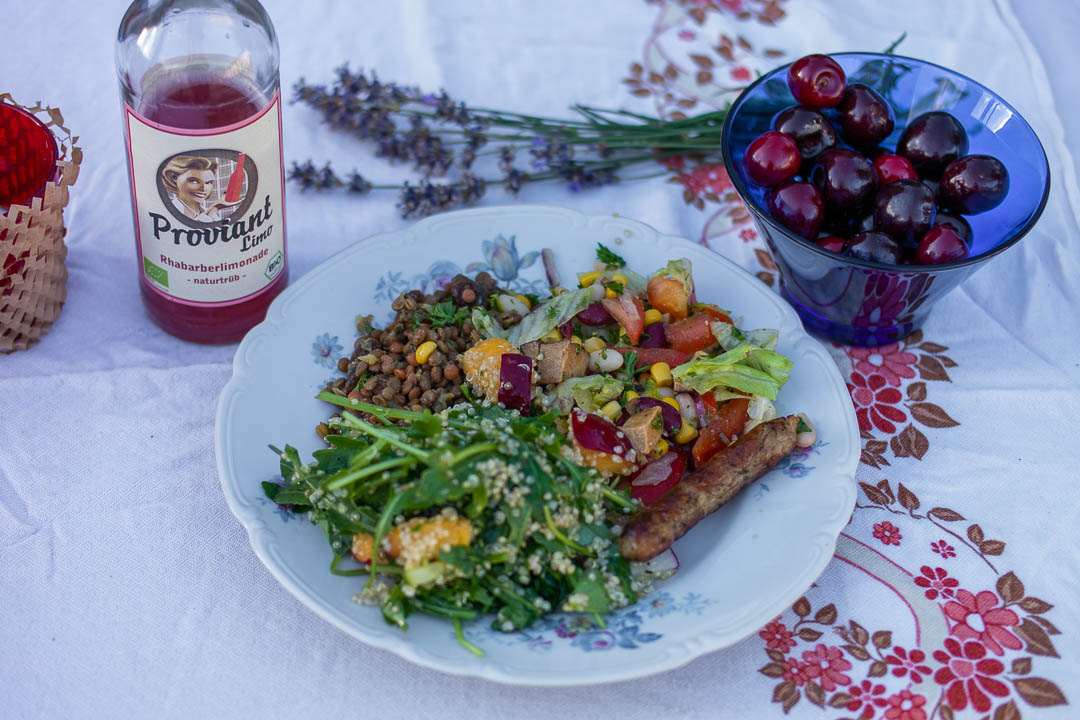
653 529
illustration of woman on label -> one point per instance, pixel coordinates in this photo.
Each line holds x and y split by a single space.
189 181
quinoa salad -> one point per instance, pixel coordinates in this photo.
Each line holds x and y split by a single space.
498 454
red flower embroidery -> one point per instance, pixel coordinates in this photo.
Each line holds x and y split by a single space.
866 696
748 234
706 177
797 672
888 361
978 617
906 706
937 581
827 664
673 162
908 662
887 533
740 73
875 403
687 35
968 675
777 636
883 301
944 549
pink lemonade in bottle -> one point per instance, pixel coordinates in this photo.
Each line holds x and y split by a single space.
202 122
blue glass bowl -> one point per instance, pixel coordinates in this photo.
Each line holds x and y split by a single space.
858 302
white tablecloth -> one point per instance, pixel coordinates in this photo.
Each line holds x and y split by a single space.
128 590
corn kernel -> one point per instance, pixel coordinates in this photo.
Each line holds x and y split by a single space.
631 395
652 315
686 433
525 300
589 278
424 352
594 343
661 448
623 337
661 374
576 339
621 279
608 292
553 336
670 401
612 410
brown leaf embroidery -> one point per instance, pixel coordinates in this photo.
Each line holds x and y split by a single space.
1035 605
913 340
765 277
702 61
641 92
884 487
909 443
877 668
1051 629
1038 642
765 259
773 670
992 547
815 694
932 347
930 368
946 712
775 655
874 495
882 639
907 498
809 634
1008 711
703 77
801 607
975 534
942 513
1039 692
1010 588
671 72
783 691
839 700
946 361
656 78
1021 666
931 415
826 615
858 652
916 391
858 633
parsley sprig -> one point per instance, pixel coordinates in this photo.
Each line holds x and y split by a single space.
606 256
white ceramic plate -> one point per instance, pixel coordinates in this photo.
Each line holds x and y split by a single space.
740 567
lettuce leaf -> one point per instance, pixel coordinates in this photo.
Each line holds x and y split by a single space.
549 315
590 393
486 325
747 368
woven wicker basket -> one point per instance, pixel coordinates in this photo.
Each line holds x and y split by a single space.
33 277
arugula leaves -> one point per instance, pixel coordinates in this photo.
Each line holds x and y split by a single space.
540 540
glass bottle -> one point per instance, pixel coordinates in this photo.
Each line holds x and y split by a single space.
202 126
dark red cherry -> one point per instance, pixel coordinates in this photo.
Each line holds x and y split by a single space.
831 243
816 80
940 244
890 168
957 223
810 130
773 158
904 210
846 178
932 141
974 184
873 246
865 118
798 207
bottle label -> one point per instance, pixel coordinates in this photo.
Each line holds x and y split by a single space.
209 212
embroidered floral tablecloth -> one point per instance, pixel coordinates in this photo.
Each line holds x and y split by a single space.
130 591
